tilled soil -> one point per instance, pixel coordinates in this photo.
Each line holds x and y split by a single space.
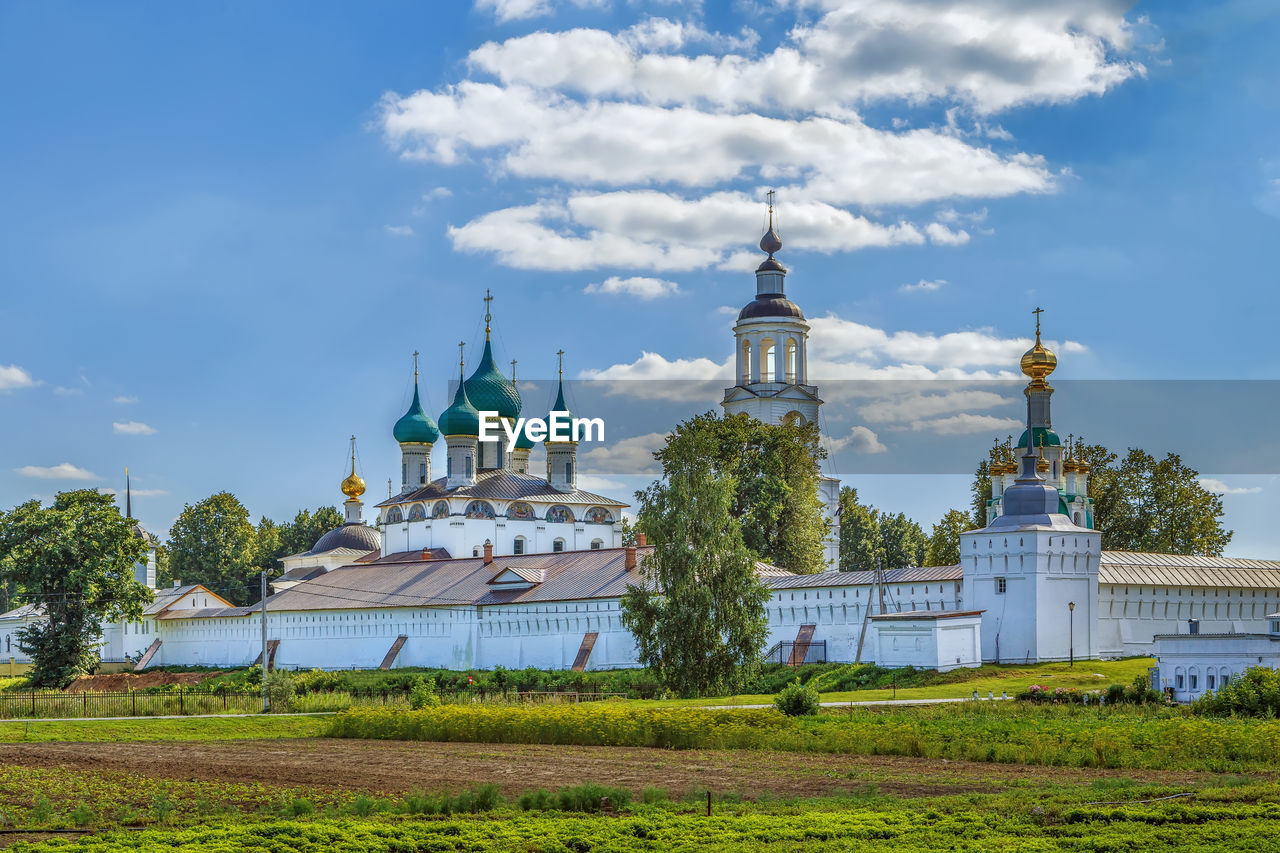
395 767
129 681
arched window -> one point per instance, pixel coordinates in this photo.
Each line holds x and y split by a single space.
599 515
790 362
417 512
518 546
1077 519
768 355
793 418
521 510
597 544
480 509
440 510
557 545
745 361
394 515
560 514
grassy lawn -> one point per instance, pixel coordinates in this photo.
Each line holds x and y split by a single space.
1085 675
142 728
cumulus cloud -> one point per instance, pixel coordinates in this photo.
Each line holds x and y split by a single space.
637 286
667 104
61 471
860 439
132 428
125 400
399 230
63 391
924 286
966 423
629 456
13 377
1222 488
601 485
913 405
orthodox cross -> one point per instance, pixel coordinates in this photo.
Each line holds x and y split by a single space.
415 367
1038 312
513 371
560 356
488 299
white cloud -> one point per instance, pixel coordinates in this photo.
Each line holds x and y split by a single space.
125 400
629 456
514 10
638 286
63 391
860 439
399 230
667 104
966 423
602 485
132 428
924 286
137 493
1220 487
61 471
913 406
13 377
437 193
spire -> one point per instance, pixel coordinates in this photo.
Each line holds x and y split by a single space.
488 317
128 495
513 371
559 405
770 242
414 426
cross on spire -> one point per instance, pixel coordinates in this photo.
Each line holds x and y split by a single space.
353 454
513 371
415 367
1038 312
560 357
488 317
769 195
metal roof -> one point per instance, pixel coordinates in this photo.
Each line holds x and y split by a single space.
921 615
927 574
1121 568
504 485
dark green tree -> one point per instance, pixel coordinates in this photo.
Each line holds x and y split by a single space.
305 530
775 469
860 541
943 547
698 612
212 543
902 540
75 560
266 544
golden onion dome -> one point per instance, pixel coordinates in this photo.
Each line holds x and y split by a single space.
1041 465
353 486
1070 465
1039 361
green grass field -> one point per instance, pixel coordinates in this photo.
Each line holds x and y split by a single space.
143 728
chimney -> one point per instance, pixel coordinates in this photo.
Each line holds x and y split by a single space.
177 583
641 540
488 552
630 552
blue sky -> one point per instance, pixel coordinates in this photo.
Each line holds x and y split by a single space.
225 228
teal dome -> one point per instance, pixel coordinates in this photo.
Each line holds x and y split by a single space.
461 418
415 426
1045 437
558 406
523 442
490 391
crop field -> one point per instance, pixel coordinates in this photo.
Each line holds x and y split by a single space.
281 786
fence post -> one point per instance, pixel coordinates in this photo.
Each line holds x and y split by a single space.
84 696
33 702
182 704
134 695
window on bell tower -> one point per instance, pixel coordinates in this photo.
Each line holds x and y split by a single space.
768 356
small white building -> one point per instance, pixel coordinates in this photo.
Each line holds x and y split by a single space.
929 639
1191 664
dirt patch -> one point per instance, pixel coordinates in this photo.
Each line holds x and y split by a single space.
129 681
394 767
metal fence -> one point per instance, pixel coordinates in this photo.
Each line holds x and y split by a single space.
134 703
796 654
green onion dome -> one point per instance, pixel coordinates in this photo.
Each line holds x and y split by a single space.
415 426
461 418
558 406
1044 437
523 442
490 391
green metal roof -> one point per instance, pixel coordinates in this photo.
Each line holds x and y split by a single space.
490 391
461 418
415 426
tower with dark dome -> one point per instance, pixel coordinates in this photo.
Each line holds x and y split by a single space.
460 426
490 391
771 339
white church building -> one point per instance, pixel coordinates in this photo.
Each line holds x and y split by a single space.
488 563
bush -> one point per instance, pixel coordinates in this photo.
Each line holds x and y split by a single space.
1255 693
589 797
798 700
280 691
423 694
